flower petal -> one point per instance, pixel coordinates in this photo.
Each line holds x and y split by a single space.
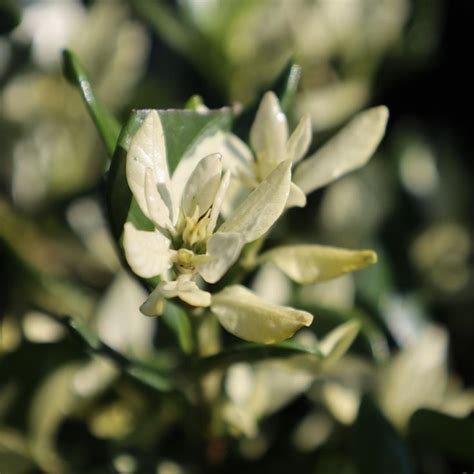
202 185
269 134
158 211
297 198
154 304
223 250
186 290
147 253
315 263
218 201
147 150
247 316
299 141
182 288
263 206
236 157
350 149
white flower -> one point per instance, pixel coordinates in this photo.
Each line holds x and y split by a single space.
272 144
186 241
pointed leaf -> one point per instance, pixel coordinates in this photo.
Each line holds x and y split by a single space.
106 124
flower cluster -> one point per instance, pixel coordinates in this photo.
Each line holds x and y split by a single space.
222 175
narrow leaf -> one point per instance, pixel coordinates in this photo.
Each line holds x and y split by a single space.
106 124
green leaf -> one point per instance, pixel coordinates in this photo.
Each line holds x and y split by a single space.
378 447
453 436
150 376
106 124
182 129
253 353
178 321
285 87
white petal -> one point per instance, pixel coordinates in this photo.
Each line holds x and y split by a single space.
223 250
307 264
338 341
247 316
154 304
269 133
202 185
182 288
263 206
147 150
186 290
236 157
158 211
218 202
299 141
297 198
350 149
147 253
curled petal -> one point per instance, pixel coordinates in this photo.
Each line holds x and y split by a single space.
263 206
350 149
222 250
299 141
202 185
296 198
182 288
249 317
158 211
269 133
218 202
307 264
147 151
147 253
236 157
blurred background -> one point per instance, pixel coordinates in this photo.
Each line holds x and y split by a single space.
401 401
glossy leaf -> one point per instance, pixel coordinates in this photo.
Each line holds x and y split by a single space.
106 124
